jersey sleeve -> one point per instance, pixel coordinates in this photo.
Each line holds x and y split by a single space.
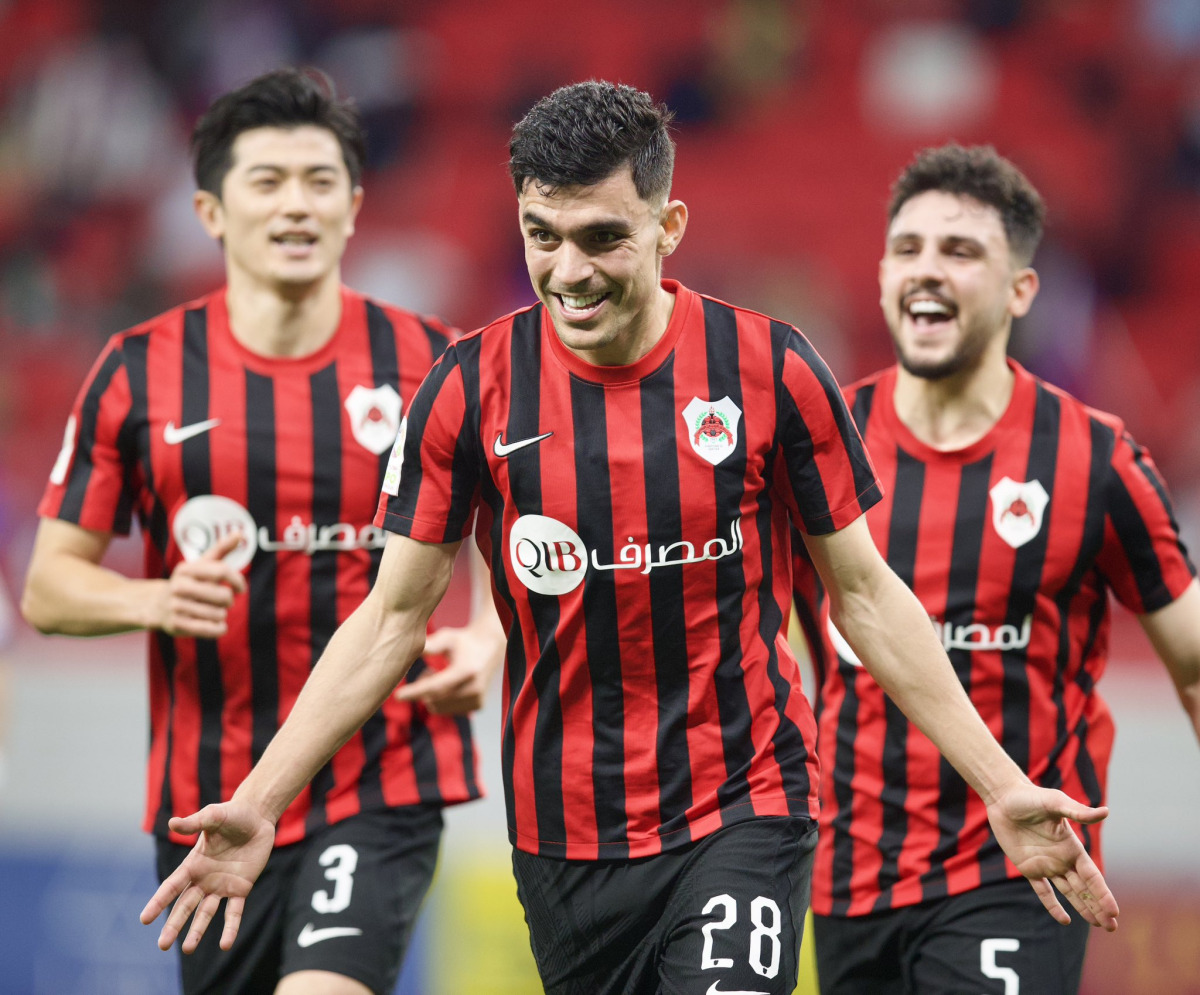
829 477
92 482
431 480
1143 557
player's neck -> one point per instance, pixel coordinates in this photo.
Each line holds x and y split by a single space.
274 323
954 412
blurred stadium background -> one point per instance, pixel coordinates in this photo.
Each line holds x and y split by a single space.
792 119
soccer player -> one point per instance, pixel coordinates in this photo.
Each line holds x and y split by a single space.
635 452
1011 510
250 431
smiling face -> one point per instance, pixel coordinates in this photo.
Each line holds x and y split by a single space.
949 286
594 255
286 208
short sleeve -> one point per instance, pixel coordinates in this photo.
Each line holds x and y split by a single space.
829 480
431 480
1143 557
91 483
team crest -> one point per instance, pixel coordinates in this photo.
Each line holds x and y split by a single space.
712 427
1018 509
374 416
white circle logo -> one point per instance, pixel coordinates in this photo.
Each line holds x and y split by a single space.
204 520
546 555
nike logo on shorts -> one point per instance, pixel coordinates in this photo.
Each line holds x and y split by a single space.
172 436
714 990
308 936
502 449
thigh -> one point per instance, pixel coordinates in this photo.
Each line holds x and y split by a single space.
860 953
356 892
998 940
736 913
594 925
251 966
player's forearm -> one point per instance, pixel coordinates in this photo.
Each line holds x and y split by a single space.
68 595
891 634
367 656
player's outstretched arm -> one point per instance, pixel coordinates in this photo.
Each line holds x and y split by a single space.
1175 633
473 654
365 659
890 632
68 592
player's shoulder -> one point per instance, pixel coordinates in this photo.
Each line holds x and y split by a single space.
405 320
746 312
1072 407
867 384
504 325
168 324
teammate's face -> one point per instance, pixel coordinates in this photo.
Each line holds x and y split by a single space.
594 255
949 286
286 207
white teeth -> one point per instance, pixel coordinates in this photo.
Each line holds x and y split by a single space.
928 307
579 303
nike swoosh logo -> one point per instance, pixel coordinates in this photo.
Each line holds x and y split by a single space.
714 990
502 449
172 436
308 936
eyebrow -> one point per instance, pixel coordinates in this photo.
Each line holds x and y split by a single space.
275 168
945 240
532 218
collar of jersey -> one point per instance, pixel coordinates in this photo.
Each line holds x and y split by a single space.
684 302
218 318
1018 413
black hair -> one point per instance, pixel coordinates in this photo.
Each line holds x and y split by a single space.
282 98
583 133
981 173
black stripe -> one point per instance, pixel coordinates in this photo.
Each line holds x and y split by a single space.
326 408
903 530
437 340
197 479
970 520
843 778
668 616
261 503
1022 601
864 400
593 489
525 487
385 361
85 440
723 356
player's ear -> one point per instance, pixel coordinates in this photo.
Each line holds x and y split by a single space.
356 200
672 223
211 213
1024 290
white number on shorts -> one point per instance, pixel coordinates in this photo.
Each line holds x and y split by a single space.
764 913
762 929
707 960
987 963
340 861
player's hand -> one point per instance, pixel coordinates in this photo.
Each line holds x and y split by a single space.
235 842
195 600
474 652
1031 825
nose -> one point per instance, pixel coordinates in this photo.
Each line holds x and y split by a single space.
928 265
294 199
572 266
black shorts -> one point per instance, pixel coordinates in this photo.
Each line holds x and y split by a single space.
724 914
996 939
344 900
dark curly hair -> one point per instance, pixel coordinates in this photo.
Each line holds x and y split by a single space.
282 98
583 133
982 174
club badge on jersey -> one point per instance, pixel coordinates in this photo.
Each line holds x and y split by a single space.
1017 510
374 416
712 427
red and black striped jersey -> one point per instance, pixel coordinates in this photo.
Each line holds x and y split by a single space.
183 426
636 519
1012 546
